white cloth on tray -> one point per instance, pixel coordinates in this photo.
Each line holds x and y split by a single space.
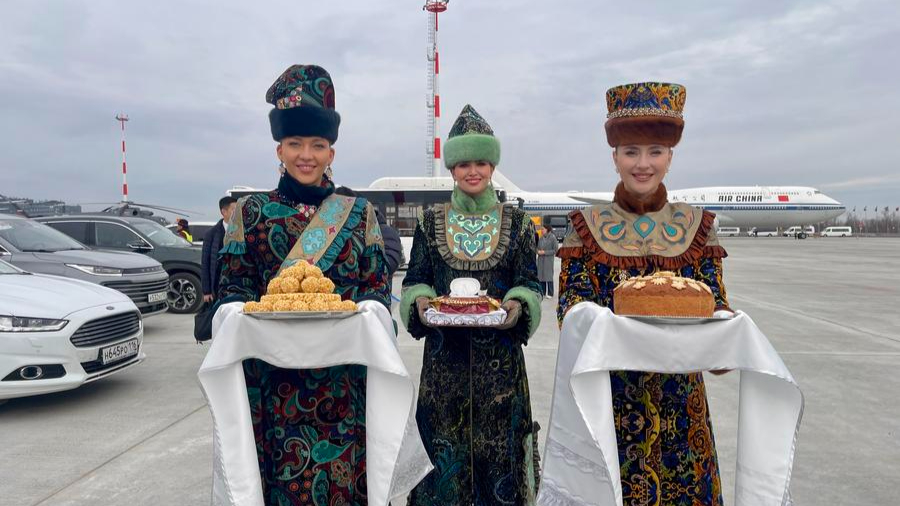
395 457
581 464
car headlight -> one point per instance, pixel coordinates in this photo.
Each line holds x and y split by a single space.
25 324
96 270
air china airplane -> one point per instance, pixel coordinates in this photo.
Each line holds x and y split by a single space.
400 199
736 206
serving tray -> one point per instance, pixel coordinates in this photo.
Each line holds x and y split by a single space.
439 319
301 315
676 320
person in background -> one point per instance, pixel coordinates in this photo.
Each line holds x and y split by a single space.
393 249
546 250
183 230
212 243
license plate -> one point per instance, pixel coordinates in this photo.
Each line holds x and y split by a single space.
156 297
118 351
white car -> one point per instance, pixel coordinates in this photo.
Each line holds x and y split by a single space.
58 333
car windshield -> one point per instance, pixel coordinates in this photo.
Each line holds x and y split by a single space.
31 236
160 235
5 268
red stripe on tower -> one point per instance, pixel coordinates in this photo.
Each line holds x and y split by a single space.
437 106
437 148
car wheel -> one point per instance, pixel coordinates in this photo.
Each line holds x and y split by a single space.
184 293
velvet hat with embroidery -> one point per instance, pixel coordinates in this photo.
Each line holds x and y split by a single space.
645 113
303 97
471 139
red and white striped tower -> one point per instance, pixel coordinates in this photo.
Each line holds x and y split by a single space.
122 118
433 98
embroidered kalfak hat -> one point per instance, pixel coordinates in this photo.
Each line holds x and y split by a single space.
471 139
645 113
303 97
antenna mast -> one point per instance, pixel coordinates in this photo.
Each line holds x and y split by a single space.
433 97
122 118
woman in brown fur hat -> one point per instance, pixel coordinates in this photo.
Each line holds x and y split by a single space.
667 452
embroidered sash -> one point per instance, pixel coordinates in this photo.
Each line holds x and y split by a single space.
323 228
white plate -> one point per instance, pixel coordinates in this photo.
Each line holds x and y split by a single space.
301 315
677 320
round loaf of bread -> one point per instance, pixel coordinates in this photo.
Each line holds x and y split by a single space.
663 294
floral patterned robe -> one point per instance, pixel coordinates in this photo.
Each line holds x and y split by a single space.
474 411
309 424
667 452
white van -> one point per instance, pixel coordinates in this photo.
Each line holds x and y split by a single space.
837 232
793 231
755 232
728 231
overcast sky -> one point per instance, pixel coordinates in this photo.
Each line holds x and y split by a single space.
778 92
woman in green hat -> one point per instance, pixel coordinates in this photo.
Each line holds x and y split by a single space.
309 424
474 412
667 452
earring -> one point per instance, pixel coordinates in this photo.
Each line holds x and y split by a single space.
281 168
329 172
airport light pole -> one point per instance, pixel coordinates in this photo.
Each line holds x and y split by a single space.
122 118
433 97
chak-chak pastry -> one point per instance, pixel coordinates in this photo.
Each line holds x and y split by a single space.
290 285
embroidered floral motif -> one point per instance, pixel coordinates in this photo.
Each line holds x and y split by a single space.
644 226
473 237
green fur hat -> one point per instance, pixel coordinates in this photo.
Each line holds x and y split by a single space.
471 139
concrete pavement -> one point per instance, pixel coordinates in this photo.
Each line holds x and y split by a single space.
143 437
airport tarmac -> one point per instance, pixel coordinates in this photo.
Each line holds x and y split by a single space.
829 306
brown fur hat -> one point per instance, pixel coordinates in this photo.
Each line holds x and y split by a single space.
644 130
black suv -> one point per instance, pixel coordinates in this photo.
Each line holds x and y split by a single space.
127 233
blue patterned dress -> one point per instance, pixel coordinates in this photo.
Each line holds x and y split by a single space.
309 424
667 452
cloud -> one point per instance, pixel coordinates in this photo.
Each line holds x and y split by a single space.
863 183
794 92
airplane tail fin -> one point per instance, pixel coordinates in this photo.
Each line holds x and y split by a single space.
504 182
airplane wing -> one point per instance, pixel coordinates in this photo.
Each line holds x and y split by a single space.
590 200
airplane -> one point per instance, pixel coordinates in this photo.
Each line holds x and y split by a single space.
765 207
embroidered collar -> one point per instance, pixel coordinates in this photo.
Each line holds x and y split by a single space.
676 235
472 241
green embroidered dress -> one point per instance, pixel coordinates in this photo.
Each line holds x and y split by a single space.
474 412
309 424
